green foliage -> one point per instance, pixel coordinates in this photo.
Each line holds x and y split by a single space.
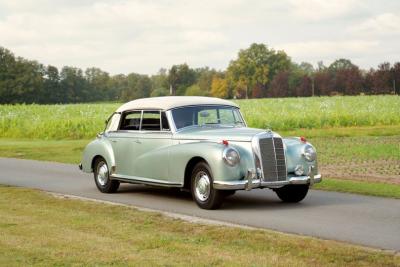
219 87
341 64
181 77
257 72
137 86
256 66
160 80
205 77
19 78
195 90
79 121
159 92
73 85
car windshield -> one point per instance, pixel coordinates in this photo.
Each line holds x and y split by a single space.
206 116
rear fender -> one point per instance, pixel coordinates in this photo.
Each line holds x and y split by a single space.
98 147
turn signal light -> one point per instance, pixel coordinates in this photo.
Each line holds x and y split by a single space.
225 142
303 139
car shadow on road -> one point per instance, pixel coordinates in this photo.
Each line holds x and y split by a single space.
258 199
155 191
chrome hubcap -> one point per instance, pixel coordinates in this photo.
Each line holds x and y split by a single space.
102 174
202 183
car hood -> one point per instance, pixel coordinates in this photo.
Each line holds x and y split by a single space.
241 134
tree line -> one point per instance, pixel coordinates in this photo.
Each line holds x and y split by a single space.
258 71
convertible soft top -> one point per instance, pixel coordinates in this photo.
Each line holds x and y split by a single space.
170 102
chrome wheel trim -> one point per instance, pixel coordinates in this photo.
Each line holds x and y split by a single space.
202 186
102 173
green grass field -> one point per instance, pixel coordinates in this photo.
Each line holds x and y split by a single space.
42 230
313 116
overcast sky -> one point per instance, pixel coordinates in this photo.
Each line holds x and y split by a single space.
143 36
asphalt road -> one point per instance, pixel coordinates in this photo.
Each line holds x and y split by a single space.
368 221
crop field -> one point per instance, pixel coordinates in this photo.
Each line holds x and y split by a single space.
80 121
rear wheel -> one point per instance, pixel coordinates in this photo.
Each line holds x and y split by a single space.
102 177
292 193
205 196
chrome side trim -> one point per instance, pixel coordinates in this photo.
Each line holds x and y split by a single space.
142 180
258 183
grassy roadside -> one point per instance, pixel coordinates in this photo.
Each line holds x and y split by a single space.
362 148
357 187
39 229
65 151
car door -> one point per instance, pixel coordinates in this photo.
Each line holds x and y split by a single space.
124 141
153 148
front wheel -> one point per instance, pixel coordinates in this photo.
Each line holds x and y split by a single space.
292 193
102 177
205 196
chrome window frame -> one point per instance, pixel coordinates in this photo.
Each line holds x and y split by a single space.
108 120
140 131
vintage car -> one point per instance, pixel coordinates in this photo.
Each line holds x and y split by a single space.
199 144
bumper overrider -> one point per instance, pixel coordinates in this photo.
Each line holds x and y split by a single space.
252 181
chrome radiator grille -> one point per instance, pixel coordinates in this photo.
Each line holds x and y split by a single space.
273 159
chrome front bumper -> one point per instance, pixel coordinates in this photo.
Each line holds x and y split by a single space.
252 182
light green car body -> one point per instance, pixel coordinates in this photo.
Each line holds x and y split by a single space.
166 158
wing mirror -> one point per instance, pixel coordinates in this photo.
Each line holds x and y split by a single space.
204 114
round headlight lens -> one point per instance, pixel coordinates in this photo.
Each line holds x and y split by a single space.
231 156
309 153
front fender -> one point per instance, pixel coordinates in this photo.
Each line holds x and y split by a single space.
211 152
98 147
294 155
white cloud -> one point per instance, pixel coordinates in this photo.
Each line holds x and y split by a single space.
329 50
382 24
315 10
142 36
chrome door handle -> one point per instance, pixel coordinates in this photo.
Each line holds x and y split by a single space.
137 141
114 141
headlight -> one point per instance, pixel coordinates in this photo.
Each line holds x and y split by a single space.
309 153
231 156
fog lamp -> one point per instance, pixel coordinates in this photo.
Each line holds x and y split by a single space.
299 170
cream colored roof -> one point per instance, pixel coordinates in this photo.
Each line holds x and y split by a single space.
169 102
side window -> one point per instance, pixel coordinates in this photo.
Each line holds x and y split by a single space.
131 121
151 121
164 122
112 123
